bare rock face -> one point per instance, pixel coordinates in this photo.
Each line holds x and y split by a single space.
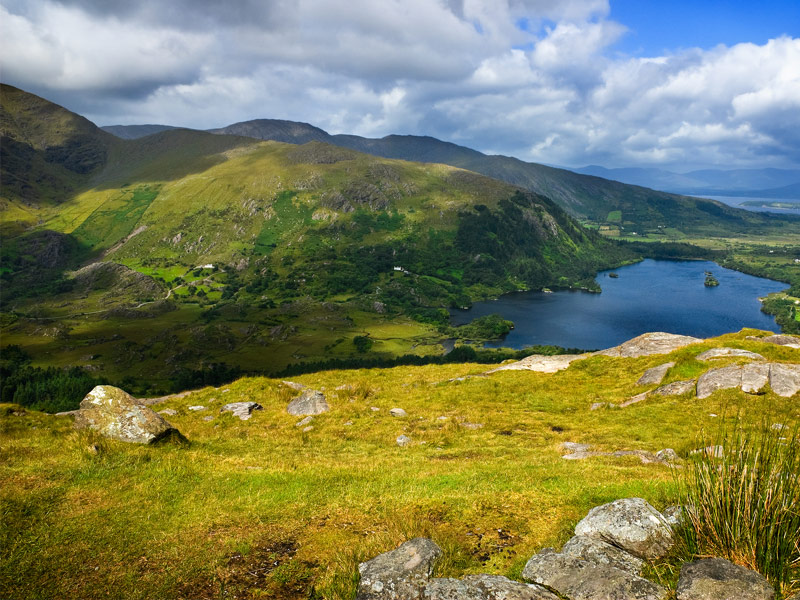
400 574
791 341
602 553
718 379
719 579
243 410
650 343
579 579
755 377
784 379
631 524
728 353
655 375
119 416
310 402
676 388
541 363
485 587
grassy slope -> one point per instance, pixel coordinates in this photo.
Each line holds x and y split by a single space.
263 509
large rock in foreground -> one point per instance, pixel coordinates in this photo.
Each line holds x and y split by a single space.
400 574
119 416
718 579
631 524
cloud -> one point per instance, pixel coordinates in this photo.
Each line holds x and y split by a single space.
538 79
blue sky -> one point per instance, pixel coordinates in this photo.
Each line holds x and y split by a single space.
674 84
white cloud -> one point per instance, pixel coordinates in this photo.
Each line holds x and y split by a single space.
531 78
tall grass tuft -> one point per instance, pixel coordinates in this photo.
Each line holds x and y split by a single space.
743 503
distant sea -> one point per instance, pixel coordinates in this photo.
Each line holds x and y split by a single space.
737 202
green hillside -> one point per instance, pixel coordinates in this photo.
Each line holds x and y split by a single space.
261 254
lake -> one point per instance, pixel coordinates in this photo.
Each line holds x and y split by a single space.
737 202
653 295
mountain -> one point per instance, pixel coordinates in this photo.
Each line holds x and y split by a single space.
132 132
715 182
618 207
213 248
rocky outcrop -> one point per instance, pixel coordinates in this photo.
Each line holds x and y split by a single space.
655 375
791 341
541 363
400 574
784 379
243 410
602 553
309 402
650 343
728 353
631 524
119 416
719 579
485 587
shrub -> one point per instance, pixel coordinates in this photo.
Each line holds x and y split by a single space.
744 504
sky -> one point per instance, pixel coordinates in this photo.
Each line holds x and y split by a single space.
682 84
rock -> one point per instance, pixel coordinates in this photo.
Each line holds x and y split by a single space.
718 379
676 388
602 553
399 574
781 340
710 451
243 410
643 455
655 375
208 418
403 440
374 408
309 402
298 387
197 408
579 579
308 428
541 363
485 587
118 415
784 379
674 515
728 353
170 412
599 405
580 455
755 378
667 455
398 412
631 524
719 579
778 427
575 447
650 343
471 425
634 399
305 421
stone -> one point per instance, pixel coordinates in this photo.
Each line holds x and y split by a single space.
777 427
398 412
784 379
634 399
485 587
308 428
298 387
719 579
755 377
580 455
655 375
197 408
599 405
541 363
647 344
119 416
602 553
243 410
718 379
676 388
399 574
208 418
374 408
643 455
471 425
631 524
170 412
667 455
403 440
728 353
710 451
674 515
579 579
575 447
309 402
790 341
304 421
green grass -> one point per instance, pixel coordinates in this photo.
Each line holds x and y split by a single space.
84 517
615 216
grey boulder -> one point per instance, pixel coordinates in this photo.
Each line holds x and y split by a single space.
791 341
784 379
602 553
309 402
631 524
243 410
655 375
579 579
646 344
119 416
485 587
728 353
719 579
676 388
718 379
755 377
399 574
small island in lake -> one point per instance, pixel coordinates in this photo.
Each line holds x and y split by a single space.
711 281
614 275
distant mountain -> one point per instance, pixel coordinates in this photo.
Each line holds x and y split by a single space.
715 182
635 208
132 132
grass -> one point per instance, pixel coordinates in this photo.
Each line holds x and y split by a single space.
263 509
744 504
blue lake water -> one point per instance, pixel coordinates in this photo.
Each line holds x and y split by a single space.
653 295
